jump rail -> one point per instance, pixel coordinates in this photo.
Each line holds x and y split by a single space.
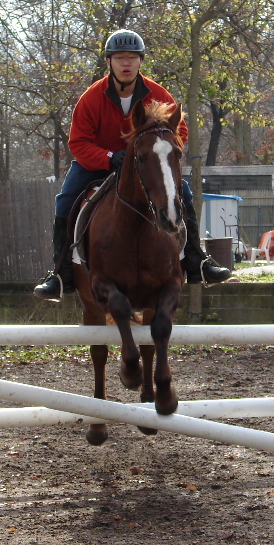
181 334
136 415
65 407
212 409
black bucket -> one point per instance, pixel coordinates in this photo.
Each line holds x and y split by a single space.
221 250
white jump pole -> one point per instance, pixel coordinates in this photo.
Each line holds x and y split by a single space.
181 334
37 417
117 412
33 417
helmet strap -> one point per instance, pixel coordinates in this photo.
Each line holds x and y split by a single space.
122 84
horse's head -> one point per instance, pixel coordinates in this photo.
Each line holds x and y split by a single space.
157 160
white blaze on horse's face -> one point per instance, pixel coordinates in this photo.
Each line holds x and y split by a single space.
162 148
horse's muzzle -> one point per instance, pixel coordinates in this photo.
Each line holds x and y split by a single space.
168 224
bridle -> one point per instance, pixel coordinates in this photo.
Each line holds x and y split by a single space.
155 130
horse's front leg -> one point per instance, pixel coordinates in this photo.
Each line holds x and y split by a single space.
147 353
166 399
107 294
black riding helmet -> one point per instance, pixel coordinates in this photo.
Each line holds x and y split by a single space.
124 41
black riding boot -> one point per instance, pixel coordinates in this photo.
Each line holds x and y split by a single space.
194 256
51 287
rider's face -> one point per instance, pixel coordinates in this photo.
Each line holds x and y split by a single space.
125 65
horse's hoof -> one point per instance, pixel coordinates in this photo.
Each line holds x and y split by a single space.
97 437
147 431
167 403
131 378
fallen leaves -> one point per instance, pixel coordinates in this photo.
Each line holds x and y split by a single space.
188 486
136 471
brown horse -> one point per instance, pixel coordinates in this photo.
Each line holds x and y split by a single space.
132 246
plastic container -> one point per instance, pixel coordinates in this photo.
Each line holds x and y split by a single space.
221 250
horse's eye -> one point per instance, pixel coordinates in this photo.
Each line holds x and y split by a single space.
141 158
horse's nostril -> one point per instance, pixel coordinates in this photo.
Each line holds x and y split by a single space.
179 216
166 223
163 213
164 216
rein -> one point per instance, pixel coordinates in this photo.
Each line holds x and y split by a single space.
159 131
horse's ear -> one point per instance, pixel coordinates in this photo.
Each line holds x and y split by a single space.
138 115
176 117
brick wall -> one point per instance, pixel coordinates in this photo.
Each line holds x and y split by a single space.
228 303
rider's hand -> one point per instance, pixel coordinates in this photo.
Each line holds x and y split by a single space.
117 158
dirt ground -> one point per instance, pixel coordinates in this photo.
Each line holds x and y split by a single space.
137 490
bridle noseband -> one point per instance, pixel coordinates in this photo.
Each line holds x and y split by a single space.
155 130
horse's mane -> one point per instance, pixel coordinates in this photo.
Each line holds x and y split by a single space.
157 114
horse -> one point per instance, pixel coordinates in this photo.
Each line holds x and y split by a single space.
132 248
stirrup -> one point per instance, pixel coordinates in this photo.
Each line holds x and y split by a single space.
205 283
61 293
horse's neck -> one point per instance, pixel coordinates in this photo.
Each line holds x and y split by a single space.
132 198
129 186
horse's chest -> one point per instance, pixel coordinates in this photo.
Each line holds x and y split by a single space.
155 277
137 263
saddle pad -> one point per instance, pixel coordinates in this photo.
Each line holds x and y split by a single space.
78 254
84 216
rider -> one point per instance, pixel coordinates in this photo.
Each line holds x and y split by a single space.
100 117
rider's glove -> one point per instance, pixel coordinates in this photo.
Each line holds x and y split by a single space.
117 158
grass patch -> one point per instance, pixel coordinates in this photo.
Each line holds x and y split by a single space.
26 355
252 277
246 265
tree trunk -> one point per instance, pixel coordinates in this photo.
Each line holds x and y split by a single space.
56 152
195 303
4 148
193 141
242 132
216 131
242 129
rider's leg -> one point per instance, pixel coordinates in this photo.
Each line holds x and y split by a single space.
50 286
194 256
75 182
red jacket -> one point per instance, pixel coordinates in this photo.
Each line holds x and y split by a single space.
98 120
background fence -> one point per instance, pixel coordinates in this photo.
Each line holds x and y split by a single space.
254 220
26 218
27 214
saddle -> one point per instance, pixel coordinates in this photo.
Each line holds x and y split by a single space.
81 215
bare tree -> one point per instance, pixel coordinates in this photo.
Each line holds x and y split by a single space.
60 51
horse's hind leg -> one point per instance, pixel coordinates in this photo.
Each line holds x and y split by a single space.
166 399
97 434
131 371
